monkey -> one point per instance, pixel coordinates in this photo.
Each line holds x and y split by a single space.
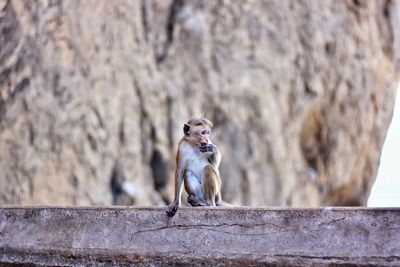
197 163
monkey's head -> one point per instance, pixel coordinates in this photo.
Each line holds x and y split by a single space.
197 131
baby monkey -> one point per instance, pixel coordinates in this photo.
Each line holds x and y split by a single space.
197 162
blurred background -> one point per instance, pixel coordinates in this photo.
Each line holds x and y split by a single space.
386 189
94 94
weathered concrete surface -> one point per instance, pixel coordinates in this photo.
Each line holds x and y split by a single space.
95 93
200 236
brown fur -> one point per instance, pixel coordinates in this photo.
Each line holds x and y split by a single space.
195 150
212 185
200 122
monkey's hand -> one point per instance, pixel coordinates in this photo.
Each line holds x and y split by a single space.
172 209
209 148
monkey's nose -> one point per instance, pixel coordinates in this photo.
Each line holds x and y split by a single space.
203 143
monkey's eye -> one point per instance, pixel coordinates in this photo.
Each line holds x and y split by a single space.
204 132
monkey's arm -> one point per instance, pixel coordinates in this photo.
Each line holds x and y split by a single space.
214 156
179 174
173 208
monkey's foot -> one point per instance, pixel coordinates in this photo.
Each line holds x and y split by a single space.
171 210
223 203
196 202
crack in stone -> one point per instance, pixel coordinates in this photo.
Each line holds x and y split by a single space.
207 227
333 221
347 259
175 8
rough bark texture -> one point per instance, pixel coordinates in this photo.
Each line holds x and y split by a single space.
200 237
93 96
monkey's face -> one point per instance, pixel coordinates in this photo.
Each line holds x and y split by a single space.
199 135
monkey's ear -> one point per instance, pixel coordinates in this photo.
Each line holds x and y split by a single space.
186 129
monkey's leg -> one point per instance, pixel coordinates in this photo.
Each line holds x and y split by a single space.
195 201
195 191
220 202
218 199
211 184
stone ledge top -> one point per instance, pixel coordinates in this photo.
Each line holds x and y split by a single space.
200 236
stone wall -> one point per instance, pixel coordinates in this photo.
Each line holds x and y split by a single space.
93 96
200 237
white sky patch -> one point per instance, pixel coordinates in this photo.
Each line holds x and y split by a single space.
386 190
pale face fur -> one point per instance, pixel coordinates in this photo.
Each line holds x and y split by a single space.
199 135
